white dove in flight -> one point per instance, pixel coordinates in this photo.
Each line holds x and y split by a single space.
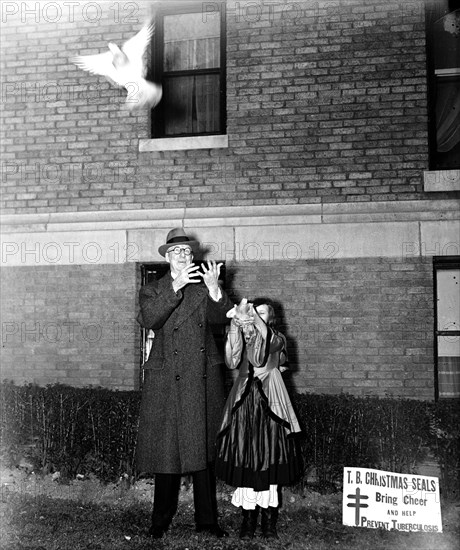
126 68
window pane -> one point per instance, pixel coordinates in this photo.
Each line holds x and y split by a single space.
449 376
446 41
191 41
192 104
448 314
446 45
448 121
448 306
443 50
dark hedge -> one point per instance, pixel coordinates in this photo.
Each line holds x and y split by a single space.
71 430
391 434
93 430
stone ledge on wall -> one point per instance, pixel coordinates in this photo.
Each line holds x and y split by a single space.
289 232
183 143
369 212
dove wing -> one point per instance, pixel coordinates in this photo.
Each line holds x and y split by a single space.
100 64
135 47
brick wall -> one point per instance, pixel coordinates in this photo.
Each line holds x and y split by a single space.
362 326
326 102
70 324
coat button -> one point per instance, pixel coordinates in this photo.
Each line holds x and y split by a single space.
203 350
200 324
175 352
176 328
177 377
205 375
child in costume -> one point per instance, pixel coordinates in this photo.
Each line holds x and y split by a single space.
255 449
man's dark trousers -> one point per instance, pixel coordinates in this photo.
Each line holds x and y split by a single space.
166 498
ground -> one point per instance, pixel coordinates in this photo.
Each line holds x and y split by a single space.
44 513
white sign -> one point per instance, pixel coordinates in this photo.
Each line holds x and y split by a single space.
385 500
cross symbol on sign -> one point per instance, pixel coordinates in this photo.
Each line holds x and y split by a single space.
357 504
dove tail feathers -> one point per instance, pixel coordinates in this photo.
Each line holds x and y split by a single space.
143 95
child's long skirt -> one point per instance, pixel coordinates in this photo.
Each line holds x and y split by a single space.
255 446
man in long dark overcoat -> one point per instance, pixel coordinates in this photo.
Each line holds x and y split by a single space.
183 391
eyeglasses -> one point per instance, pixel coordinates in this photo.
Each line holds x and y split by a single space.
178 250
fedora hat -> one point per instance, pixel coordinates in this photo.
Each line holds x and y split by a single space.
177 236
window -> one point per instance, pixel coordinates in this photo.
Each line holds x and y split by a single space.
447 325
443 62
189 60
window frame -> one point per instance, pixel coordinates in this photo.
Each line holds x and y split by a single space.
157 116
440 263
433 11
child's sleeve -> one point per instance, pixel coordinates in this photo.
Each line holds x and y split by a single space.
234 346
260 346
283 354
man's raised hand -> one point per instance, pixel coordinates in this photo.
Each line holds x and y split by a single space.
211 275
187 275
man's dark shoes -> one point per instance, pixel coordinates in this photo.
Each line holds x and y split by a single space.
212 529
156 532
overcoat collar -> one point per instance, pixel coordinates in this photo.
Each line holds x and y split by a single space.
193 295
